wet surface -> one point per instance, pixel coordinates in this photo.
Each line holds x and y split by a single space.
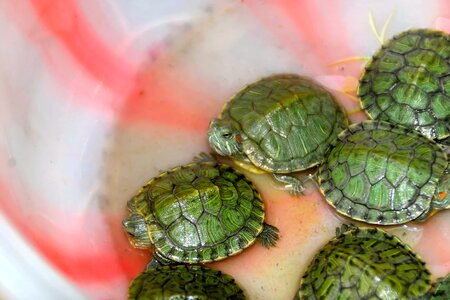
85 126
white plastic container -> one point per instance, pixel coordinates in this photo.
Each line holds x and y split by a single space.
96 97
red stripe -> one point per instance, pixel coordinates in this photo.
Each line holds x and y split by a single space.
79 250
66 22
152 95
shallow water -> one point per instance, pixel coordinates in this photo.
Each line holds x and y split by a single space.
99 97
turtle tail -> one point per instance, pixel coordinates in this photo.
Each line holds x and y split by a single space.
269 236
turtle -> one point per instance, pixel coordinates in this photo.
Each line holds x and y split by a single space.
442 290
184 282
279 124
365 263
201 212
407 82
381 173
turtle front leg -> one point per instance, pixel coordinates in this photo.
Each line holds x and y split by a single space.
269 236
158 260
293 185
204 157
153 264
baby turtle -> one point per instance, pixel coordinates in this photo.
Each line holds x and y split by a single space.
407 82
363 263
201 212
381 173
279 124
442 291
184 282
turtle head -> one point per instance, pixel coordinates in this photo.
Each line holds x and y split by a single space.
442 195
224 138
137 231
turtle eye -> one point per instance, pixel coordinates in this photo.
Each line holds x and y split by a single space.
227 135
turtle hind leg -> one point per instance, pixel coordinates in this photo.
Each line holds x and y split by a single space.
292 184
269 236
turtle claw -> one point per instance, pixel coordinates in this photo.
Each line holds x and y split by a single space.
204 157
153 264
296 190
293 185
345 228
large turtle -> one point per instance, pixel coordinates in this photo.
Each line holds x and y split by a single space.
407 82
279 124
184 282
365 263
381 173
202 212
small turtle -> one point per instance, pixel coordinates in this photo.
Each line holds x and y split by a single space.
202 212
407 82
442 291
184 282
365 263
279 124
381 173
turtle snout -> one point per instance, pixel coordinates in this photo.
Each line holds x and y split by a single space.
137 231
223 138
215 137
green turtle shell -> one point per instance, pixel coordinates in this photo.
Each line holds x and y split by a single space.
288 121
364 263
381 173
407 82
442 291
200 212
184 282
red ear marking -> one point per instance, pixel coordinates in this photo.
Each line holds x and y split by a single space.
442 195
239 139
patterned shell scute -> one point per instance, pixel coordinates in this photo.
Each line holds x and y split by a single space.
289 122
366 264
184 282
201 212
407 82
380 173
